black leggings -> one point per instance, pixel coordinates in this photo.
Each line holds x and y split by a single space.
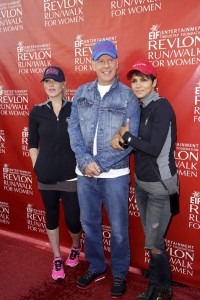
51 201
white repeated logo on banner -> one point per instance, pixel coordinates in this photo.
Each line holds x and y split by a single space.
187 158
14 102
181 257
33 58
106 231
131 7
62 12
4 213
25 150
194 217
35 219
133 209
170 47
11 16
197 103
18 181
2 142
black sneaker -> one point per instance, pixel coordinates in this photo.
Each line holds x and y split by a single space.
162 294
148 292
89 278
118 287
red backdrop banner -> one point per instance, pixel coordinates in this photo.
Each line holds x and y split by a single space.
39 33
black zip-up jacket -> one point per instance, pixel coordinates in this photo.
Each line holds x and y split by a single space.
56 161
156 141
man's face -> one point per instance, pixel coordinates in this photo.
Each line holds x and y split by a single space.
106 68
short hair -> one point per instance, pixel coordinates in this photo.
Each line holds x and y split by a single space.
140 74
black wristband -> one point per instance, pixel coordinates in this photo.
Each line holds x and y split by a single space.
124 145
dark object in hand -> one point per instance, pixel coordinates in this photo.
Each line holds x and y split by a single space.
124 144
174 203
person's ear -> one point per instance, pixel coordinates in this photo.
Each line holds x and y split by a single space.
155 82
93 66
117 64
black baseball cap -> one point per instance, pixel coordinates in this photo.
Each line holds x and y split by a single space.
54 73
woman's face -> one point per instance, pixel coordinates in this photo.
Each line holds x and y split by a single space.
53 88
142 85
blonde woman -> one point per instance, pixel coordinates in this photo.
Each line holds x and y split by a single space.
54 164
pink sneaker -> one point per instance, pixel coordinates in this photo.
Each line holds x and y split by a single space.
73 258
58 270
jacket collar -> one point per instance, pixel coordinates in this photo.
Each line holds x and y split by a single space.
49 102
94 84
153 96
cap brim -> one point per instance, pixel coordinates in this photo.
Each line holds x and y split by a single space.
100 53
129 74
140 70
51 77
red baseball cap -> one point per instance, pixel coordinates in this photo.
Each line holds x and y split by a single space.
143 66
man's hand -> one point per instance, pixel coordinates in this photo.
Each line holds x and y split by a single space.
115 142
124 129
92 170
118 137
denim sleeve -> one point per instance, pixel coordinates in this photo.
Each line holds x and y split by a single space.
83 158
110 156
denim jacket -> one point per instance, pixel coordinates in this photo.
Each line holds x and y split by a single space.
109 113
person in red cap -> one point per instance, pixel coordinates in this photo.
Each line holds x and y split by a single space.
155 173
54 164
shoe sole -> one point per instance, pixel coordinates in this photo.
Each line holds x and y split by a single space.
101 277
118 296
67 265
58 278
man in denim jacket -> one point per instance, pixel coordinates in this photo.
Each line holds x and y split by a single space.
98 110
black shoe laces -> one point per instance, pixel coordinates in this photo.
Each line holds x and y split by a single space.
74 253
118 281
58 265
88 274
